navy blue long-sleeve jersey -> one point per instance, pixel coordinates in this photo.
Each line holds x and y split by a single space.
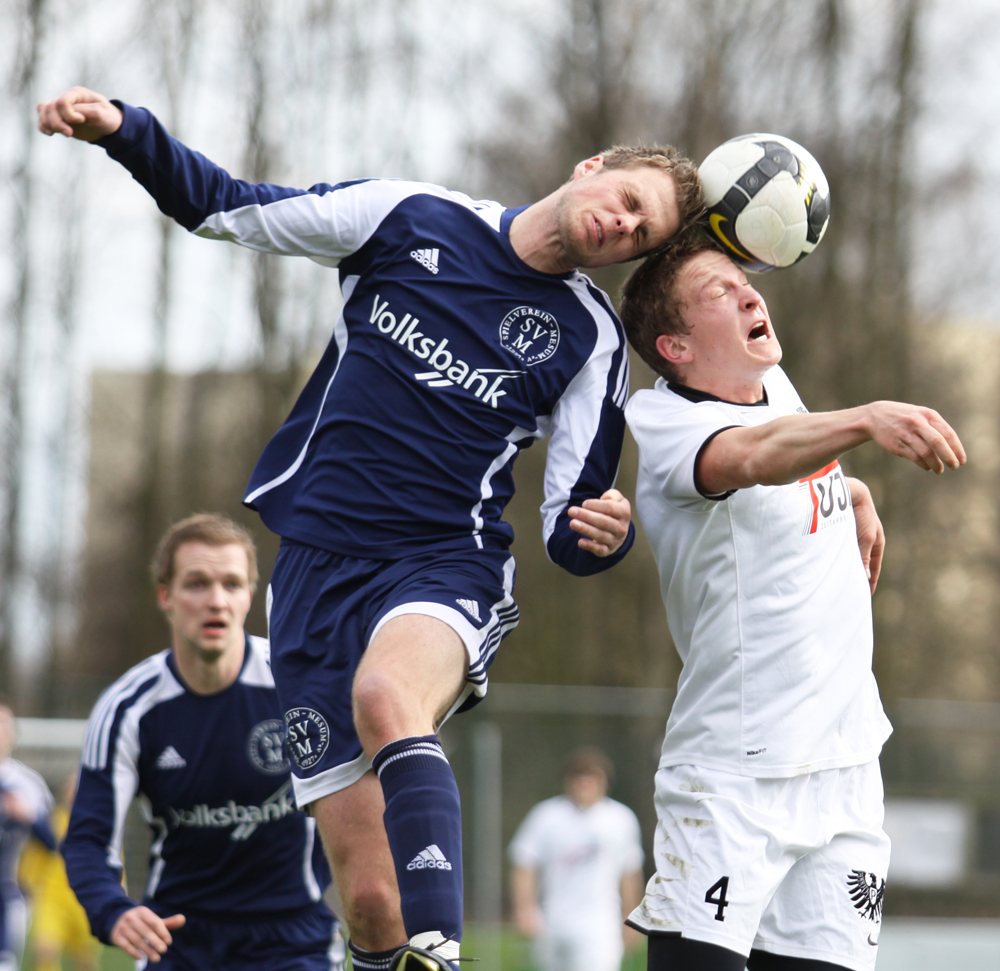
451 355
213 776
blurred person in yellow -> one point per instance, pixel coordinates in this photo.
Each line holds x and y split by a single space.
59 925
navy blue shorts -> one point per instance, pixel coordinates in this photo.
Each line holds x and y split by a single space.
323 611
309 941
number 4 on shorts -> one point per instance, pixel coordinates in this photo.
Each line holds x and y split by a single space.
722 886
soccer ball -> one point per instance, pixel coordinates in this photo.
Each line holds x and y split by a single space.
768 200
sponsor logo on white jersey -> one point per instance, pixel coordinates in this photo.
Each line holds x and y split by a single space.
449 371
427 258
429 859
829 499
170 758
469 606
245 819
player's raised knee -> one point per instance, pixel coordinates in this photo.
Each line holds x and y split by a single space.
381 707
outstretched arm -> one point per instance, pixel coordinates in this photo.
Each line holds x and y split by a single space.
786 449
323 222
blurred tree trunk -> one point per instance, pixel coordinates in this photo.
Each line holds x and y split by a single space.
170 25
30 26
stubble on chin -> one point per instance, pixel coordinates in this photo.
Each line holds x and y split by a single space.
567 226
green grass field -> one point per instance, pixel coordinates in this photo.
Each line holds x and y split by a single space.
515 955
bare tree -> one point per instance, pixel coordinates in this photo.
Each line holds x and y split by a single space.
30 26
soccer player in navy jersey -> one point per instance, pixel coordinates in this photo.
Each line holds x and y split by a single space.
236 872
467 333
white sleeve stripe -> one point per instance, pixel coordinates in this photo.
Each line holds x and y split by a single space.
621 386
340 338
327 226
312 886
577 416
486 486
257 669
125 772
95 745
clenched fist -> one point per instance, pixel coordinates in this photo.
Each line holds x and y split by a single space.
79 113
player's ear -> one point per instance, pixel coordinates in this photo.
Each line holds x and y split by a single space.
674 348
588 166
163 596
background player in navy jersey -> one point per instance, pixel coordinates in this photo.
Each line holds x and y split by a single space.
236 873
25 802
467 333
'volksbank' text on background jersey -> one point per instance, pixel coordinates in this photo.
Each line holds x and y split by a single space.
450 356
213 775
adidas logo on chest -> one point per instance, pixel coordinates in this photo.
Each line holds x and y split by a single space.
170 758
427 258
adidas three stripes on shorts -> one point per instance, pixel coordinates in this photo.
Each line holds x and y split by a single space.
323 611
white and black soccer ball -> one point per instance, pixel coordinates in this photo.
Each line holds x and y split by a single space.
768 200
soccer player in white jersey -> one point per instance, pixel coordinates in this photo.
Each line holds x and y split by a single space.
467 333
769 849
577 871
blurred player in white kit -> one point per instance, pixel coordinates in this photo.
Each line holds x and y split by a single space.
577 871
770 852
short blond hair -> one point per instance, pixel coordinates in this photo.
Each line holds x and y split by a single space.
210 528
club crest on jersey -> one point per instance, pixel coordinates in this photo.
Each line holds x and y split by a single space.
530 334
266 747
307 737
867 892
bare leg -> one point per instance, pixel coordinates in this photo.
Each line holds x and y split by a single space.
408 678
411 674
350 822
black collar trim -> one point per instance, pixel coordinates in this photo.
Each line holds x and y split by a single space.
693 394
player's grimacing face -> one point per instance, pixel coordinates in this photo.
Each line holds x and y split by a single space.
730 332
208 600
609 216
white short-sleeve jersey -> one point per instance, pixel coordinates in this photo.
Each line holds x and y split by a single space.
581 856
766 596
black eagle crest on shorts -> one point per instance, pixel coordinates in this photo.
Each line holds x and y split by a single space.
866 892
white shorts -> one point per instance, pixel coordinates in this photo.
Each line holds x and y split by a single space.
792 866
578 952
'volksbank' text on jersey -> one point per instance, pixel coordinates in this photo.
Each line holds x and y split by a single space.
451 355
766 596
214 778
